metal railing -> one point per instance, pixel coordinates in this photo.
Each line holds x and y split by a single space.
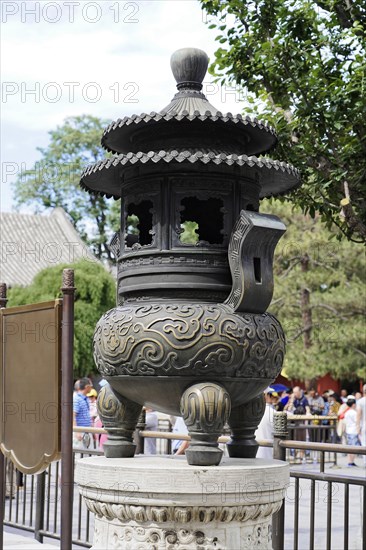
33 501
329 480
33 504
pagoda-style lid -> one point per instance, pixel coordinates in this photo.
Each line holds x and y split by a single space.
189 131
189 120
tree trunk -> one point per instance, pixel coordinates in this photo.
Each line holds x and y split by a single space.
306 313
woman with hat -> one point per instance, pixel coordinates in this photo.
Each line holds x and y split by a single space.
92 396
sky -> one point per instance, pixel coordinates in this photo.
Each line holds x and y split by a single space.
107 58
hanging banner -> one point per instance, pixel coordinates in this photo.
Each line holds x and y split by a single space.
30 378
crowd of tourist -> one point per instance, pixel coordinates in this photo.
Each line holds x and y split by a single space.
344 414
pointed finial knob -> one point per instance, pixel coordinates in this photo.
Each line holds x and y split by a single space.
189 66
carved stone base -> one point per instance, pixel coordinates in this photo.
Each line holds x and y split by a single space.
132 536
161 503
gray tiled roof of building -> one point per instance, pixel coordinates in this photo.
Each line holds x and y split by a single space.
32 242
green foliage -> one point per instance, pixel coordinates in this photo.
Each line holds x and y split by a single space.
95 294
302 64
336 279
114 216
54 181
189 235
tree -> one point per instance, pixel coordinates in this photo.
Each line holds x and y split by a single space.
319 298
95 294
302 63
54 181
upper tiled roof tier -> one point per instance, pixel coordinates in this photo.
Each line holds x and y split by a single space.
189 116
191 127
190 119
189 131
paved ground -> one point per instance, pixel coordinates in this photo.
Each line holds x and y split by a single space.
15 538
13 541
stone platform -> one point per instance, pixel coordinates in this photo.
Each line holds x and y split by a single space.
162 503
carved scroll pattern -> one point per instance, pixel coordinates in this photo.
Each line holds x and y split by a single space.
163 339
183 514
172 539
240 230
258 536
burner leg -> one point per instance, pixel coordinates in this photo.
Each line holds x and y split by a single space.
243 422
119 416
205 408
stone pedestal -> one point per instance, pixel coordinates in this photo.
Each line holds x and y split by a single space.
162 503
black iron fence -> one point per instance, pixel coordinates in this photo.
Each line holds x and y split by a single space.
331 484
33 501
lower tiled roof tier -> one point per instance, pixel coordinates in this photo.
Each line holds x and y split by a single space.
105 177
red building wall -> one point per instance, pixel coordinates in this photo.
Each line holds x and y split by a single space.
326 382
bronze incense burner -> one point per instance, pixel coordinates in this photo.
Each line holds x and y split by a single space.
190 335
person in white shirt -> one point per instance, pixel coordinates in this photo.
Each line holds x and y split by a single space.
352 430
265 428
361 419
152 425
344 395
179 446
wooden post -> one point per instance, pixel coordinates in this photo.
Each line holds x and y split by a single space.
67 470
3 301
138 439
279 453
